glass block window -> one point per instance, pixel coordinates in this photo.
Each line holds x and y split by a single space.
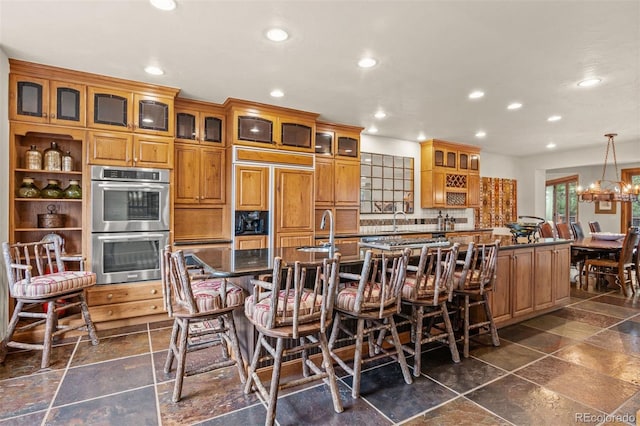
386 183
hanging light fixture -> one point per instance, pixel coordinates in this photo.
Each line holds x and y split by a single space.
609 190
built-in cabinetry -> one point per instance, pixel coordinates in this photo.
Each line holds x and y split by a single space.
530 280
200 173
450 175
293 207
267 126
252 187
337 176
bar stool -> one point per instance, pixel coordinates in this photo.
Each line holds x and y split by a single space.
371 299
190 303
427 289
294 309
471 288
38 281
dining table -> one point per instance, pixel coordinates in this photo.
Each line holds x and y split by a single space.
596 247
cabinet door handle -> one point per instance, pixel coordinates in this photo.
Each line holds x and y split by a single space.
53 116
44 115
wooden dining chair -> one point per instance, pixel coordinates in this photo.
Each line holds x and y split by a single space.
294 309
578 231
202 312
43 289
620 268
547 230
563 231
594 226
370 300
472 286
427 290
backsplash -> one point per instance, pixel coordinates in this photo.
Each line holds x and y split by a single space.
464 219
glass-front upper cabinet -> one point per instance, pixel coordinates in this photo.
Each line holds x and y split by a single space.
296 135
45 101
255 129
348 147
199 126
324 143
113 109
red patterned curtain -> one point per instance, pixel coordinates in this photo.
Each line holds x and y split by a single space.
498 205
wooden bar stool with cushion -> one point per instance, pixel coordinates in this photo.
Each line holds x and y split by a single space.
620 268
427 289
202 313
295 309
43 288
371 299
471 288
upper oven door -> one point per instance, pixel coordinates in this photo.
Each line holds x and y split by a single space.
129 206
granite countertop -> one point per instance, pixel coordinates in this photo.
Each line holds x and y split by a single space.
401 232
227 262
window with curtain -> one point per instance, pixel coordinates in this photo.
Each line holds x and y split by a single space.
562 200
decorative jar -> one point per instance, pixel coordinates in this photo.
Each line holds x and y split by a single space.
52 190
33 159
67 162
73 190
53 158
28 189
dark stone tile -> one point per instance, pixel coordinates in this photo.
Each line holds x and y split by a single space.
579 383
160 339
314 406
20 363
525 403
110 348
628 327
562 326
613 364
385 388
592 318
26 420
137 407
630 410
461 377
620 300
161 324
535 339
606 309
508 356
28 394
253 415
459 412
138 328
94 380
204 396
615 341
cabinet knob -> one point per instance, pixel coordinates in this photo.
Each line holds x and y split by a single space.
154 291
109 313
154 307
53 116
44 114
135 159
110 296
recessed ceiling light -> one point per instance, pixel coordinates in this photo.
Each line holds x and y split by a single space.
277 93
589 82
514 105
367 62
421 137
551 145
380 114
163 4
153 70
476 94
373 129
481 134
277 34
554 118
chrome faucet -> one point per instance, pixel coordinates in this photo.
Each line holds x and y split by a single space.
332 236
395 214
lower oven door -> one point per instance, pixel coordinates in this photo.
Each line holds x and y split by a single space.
127 257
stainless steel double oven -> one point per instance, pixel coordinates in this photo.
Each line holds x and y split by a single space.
129 224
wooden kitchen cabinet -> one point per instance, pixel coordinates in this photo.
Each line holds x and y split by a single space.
130 111
347 183
544 276
561 271
120 301
522 268
199 122
294 207
500 297
130 150
45 101
252 187
199 176
246 242
325 181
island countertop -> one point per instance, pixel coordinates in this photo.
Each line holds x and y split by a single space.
227 262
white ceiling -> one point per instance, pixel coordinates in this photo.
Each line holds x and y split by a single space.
431 54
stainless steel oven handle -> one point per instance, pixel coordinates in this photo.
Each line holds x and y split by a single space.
136 187
128 237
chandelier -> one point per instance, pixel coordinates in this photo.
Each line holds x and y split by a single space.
609 190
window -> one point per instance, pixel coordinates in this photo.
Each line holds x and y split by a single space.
386 183
630 211
561 200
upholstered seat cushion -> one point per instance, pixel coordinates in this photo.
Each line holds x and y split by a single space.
208 294
260 312
412 291
53 284
346 298
468 284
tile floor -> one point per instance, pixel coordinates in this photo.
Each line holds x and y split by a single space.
580 364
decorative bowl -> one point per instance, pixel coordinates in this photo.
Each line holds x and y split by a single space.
606 236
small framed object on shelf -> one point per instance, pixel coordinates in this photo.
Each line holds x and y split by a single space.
606 207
